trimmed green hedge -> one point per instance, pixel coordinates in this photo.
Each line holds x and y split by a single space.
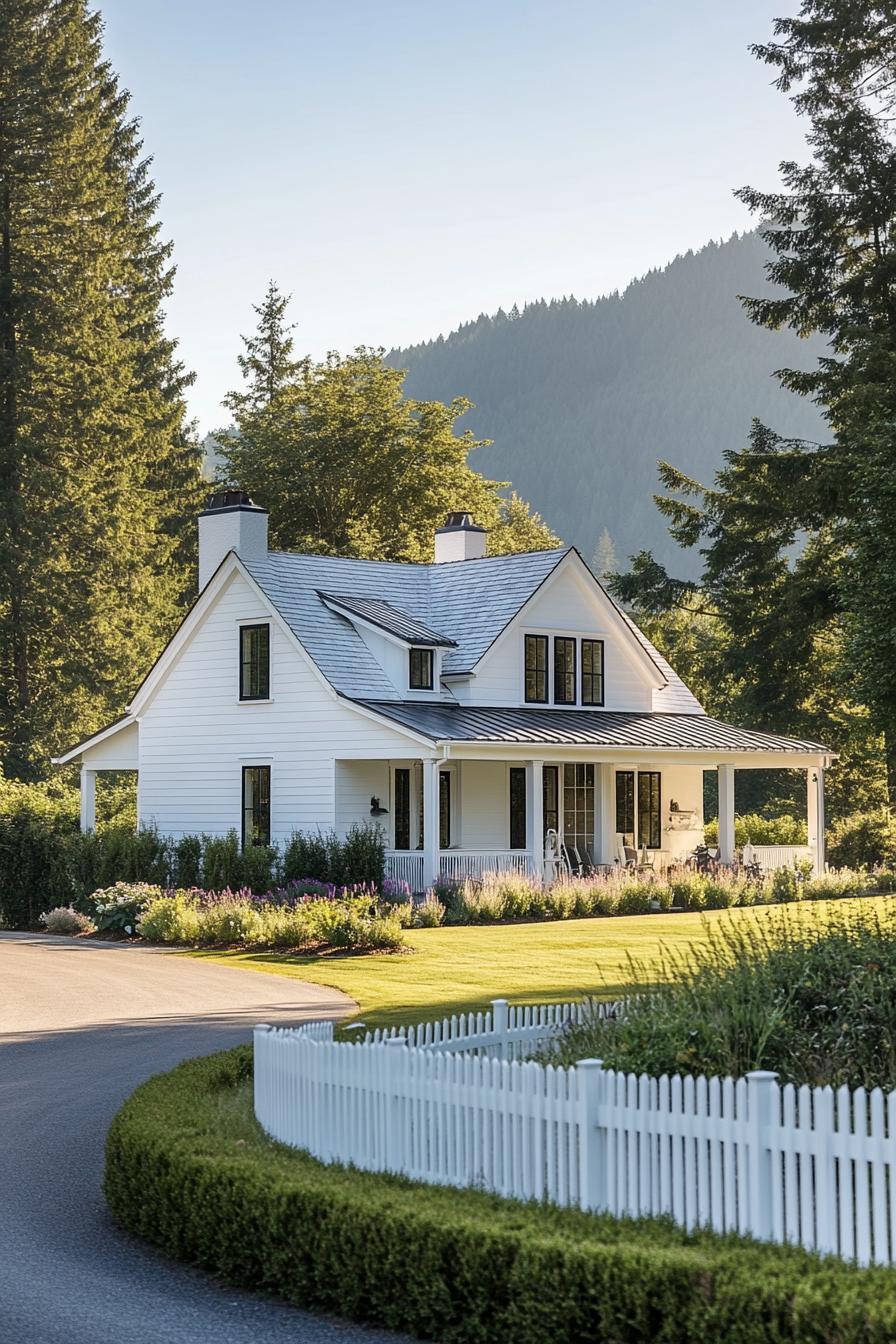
188 1169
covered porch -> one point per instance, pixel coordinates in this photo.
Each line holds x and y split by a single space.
470 810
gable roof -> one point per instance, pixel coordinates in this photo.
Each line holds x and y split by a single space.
389 619
468 602
594 727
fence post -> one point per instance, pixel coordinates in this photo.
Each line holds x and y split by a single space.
261 1075
499 1026
395 1135
592 1161
762 1108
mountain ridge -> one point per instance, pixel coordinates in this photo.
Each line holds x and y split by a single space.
581 397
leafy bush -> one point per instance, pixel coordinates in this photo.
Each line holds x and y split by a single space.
862 840
65 919
189 1170
359 858
118 908
186 862
810 998
36 828
430 912
222 862
170 918
754 829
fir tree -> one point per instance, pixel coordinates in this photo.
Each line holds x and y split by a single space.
604 559
266 364
97 468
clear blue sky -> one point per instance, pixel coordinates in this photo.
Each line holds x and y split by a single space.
402 165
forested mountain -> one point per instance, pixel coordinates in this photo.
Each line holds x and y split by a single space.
582 397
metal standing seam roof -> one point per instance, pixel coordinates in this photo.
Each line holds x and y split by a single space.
391 620
468 602
599 728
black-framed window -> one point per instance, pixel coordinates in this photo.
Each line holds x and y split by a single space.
256 805
420 669
578 807
592 671
517 807
536 669
625 805
564 671
550 789
402 808
649 822
444 809
255 662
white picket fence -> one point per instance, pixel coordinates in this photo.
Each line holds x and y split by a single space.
451 1103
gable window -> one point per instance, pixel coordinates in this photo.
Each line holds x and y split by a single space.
592 671
517 807
402 808
420 669
255 662
256 805
536 669
564 671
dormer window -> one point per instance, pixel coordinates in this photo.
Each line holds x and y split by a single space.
255 662
420 669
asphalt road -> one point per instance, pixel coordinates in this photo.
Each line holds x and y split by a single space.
81 1024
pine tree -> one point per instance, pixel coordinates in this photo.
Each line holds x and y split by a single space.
347 465
267 364
97 467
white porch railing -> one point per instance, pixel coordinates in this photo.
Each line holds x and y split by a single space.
461 863
770 857
450 1103
407 866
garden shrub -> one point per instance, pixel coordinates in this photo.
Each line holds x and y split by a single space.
118 908
170 918
754 829
430 912
807 995
189 1170
65 919
785 885
862 840
186 862
635 897
222 862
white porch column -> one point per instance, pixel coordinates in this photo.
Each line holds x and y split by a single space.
607 814
535 817
430 822
815 814
726 813
88 799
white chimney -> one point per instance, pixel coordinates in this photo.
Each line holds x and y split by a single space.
460 539
230 522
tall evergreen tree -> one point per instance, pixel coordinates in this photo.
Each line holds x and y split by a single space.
97 468
266 363
347 465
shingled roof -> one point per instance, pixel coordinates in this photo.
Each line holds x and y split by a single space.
467 602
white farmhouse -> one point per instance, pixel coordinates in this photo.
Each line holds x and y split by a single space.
471 705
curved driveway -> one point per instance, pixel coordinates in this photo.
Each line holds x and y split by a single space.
81 1024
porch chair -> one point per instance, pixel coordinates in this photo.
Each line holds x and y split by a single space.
626 857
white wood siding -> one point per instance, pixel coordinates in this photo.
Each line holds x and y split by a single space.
195 735
565 605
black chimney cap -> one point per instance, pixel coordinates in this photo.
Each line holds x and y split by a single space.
229 501
459 522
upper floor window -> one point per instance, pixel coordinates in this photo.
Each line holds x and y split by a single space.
592 671
564 671
537 669
255 662
420 669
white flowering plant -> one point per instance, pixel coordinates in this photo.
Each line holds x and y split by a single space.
119 907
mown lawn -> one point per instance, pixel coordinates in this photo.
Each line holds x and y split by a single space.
452 970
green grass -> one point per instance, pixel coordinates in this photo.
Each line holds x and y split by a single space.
452 970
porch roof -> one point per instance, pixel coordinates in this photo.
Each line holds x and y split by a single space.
598 728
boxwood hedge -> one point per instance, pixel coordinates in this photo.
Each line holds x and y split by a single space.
188 1169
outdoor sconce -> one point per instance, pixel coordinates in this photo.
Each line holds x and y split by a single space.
376 810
